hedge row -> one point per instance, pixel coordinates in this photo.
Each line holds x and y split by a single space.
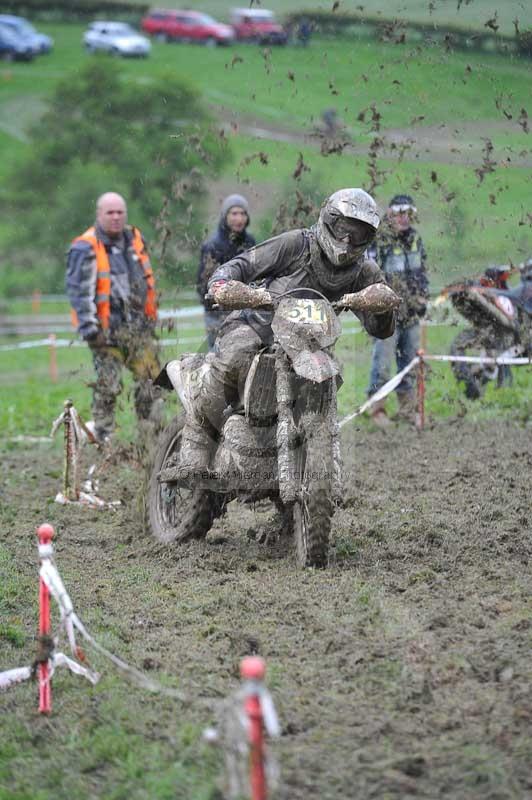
399 31
73 10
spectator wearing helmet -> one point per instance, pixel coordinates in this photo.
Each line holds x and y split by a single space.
329 257
521 297
230 239
400 253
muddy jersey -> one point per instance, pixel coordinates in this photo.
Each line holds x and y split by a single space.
402 258
294 260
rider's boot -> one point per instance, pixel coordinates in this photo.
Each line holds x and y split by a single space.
200 432
198 443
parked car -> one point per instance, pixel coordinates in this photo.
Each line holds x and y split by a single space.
187 26
14 47
116 38
41 43
257 25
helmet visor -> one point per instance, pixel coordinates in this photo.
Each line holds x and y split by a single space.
353 231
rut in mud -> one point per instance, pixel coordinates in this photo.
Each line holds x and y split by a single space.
402 670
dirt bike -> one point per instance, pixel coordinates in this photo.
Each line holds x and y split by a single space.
494 332
282 441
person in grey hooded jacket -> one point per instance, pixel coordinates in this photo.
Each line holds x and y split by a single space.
328 257
230 239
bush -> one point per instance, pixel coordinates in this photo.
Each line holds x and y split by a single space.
66 10
524 43
458 37
150 142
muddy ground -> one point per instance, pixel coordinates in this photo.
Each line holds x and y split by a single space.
403 670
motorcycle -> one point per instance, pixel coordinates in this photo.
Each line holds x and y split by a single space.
494 330
281 442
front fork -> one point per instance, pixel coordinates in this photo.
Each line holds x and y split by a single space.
334 430
287 435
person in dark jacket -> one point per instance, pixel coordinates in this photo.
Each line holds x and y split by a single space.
111 288
328 257
400 253
230 239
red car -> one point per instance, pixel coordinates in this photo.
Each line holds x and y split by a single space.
257 25
186 26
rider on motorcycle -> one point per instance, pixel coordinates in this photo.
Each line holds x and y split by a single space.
328 257
521 297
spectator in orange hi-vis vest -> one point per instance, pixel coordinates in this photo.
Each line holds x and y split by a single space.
111 288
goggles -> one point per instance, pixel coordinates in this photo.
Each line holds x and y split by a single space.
403 209
356 232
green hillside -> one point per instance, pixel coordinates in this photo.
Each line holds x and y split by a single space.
470 14
432 114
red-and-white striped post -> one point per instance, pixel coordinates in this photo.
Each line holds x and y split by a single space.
252 669
420 416
45 533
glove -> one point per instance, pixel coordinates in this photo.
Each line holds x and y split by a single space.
233 295
375 299
96 339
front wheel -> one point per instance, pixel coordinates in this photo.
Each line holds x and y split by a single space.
474 376
177 514
313 510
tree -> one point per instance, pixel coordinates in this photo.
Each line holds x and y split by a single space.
152 141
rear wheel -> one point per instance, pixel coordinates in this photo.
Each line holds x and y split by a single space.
313 510
474 376
176 513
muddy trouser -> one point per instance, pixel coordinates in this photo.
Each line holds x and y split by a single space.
224 382
138 352
404 344
213 321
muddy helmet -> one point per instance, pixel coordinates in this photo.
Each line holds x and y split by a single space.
498 275
347 224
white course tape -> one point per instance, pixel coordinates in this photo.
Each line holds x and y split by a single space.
6 348
53 581
479 359
33 343
13 676
383 392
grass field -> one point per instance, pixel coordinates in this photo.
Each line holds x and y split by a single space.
400 671
33 402
443 106
403 669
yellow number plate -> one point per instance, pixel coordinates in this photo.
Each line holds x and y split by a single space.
305 311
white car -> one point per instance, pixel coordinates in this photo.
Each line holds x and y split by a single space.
116 38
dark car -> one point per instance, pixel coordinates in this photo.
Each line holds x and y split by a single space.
186 26
40 42
14 47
